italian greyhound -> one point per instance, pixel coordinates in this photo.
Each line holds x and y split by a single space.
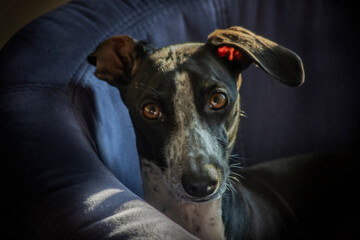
184 104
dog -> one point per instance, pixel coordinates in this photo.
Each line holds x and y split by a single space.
184 104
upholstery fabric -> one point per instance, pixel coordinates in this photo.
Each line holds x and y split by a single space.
67 142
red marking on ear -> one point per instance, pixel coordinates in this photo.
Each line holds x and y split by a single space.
229 52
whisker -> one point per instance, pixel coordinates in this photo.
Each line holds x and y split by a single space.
234 178
227 194
235 166
231 186
233 189
236 163
236 156
243 114
238 175
235 169
239 163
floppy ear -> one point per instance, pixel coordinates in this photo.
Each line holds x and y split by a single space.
115 60
242 47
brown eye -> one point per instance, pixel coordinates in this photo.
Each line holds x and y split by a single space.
218 101
151 111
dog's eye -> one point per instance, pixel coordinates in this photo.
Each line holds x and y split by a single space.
151 111
218 100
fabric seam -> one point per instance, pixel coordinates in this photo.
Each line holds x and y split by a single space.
26 87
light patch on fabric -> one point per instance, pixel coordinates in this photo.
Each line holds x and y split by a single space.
96 199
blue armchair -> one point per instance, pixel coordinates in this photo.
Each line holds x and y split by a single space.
67 142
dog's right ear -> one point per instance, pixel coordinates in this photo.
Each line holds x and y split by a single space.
115 59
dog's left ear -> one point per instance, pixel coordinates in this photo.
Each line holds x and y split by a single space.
241 47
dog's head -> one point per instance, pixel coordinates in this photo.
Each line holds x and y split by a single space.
184 103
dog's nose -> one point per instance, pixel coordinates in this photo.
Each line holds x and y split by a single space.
202 184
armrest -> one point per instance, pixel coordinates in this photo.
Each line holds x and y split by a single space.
56 186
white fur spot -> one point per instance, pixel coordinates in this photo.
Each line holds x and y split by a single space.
192 137
168 58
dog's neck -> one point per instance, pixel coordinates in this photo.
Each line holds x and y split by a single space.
203 220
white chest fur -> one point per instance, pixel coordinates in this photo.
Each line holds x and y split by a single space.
201 219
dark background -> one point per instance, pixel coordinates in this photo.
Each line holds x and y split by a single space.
321 115
14 14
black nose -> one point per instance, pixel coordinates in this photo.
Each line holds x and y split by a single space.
202 184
